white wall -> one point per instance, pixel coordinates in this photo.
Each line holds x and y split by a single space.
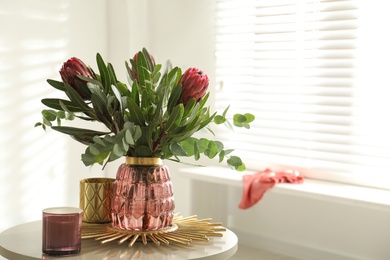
41 169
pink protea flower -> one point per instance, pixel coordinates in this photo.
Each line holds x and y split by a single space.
69 74
194 84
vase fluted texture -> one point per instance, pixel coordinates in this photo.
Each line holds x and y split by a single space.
142 198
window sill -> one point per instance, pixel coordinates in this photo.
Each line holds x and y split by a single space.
316 189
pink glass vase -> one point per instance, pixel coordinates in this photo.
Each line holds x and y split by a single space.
142 196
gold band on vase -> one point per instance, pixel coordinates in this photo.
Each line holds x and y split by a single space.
143 161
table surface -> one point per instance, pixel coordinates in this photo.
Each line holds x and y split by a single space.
25 242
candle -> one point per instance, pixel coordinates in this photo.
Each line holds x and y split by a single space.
61 230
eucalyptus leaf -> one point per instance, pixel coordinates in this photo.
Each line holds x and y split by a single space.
178 150
118 150
98 140
49 115
212 150
249 118
219 119
129 137
94 150
202 145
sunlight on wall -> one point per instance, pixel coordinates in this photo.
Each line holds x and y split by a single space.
39 169
30 50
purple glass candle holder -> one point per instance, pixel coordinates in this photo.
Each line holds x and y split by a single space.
61 230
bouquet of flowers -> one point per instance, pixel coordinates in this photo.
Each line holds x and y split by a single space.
155 115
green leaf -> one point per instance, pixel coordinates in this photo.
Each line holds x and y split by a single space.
219 145
98 140
156 70
122 88
192 119
135 93
88 158
221 156
129 137
177 149
237 163
93 149
128 69
141 68
228 151
204 100
111 72
175 118
118 150
207 120
202 145
92 81
49 115
174 98
69 116
77 131
241 168
189 146
144 73
104 74
189 107
76 99
125 144
249 118
225 111
113 157
55 104
219 119
47 122
212 150
57 84
238 118
144 151
156 74
173 76
135 113
100 108
149 63
84 136
61 114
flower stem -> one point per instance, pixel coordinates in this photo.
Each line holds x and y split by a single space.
158 141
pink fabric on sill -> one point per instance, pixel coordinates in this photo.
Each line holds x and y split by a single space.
255 185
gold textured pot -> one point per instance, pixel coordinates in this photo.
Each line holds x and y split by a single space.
95 199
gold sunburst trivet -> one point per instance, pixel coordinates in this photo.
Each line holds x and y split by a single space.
184 230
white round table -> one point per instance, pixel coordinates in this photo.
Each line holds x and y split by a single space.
25 242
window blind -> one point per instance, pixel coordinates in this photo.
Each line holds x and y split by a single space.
296 66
